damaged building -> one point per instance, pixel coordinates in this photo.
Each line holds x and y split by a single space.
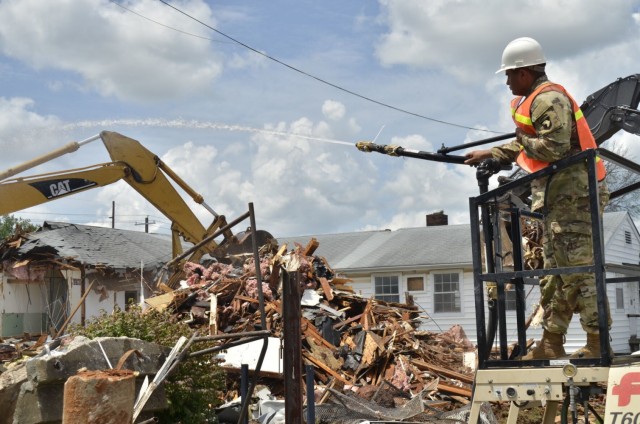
45 275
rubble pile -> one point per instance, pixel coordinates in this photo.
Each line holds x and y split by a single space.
366 349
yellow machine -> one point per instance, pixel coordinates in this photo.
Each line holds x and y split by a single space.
142 170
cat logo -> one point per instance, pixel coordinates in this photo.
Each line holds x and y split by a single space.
52 189
60 188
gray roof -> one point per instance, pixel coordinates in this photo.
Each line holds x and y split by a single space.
420 247
118 249
406 247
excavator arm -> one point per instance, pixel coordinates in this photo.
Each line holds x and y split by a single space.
22 193
149 176
141 169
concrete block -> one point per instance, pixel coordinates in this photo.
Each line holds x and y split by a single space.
33 392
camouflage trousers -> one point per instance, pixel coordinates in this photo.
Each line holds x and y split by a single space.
567 242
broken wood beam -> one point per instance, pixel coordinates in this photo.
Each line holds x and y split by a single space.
347 321
311 247
80 303
326 288
450 388
442 371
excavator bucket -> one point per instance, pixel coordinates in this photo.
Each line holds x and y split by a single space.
614 108
239 247
243 242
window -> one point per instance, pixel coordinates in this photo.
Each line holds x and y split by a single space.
387 288
619 298
415 284
130 298
446 295
510 300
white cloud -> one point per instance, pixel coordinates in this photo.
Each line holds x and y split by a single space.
116 52
22 130
333 110
466 38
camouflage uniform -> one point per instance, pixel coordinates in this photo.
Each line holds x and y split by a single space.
564 200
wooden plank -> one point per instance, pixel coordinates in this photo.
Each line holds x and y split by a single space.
80 303
213 315
246 299
311 247
450 388
442 371
160 302
326 288
364 321
348 321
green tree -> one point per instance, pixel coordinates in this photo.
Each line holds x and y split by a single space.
10 225
619 177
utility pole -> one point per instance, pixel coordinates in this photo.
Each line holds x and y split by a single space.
146 224
113 214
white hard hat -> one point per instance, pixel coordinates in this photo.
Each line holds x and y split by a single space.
520 53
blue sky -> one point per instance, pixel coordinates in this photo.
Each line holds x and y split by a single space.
226 118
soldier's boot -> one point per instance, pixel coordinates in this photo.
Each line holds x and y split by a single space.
591 349
551 346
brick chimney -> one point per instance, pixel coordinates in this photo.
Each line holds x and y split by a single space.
437 218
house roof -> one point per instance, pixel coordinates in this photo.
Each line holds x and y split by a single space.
118 249
420 247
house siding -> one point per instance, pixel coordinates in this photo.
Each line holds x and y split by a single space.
22 306
617 251
623 248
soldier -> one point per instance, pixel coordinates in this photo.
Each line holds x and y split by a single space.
550 127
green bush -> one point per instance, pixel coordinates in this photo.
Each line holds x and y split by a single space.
197 384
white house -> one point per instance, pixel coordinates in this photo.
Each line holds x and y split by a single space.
44 276
434 265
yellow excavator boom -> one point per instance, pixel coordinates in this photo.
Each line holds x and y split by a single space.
131 162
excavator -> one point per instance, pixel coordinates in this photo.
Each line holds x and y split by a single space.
149 176
565 384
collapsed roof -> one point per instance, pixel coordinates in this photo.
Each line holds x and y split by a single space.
92 247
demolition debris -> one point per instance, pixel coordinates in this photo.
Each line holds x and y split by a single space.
367 355
370 359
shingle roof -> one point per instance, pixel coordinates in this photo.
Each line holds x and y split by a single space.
441 246
90 245
407 247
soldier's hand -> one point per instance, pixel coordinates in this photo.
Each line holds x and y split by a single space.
476 156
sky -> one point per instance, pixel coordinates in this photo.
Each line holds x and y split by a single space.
262 102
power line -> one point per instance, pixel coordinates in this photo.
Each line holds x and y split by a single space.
323 81
167 26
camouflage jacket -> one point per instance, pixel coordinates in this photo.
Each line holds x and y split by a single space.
556 138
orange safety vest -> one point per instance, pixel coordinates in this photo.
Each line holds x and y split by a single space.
521 113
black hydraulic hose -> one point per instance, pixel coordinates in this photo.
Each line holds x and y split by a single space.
492 324
486 169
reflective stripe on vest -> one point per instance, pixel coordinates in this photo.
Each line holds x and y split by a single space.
521 113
